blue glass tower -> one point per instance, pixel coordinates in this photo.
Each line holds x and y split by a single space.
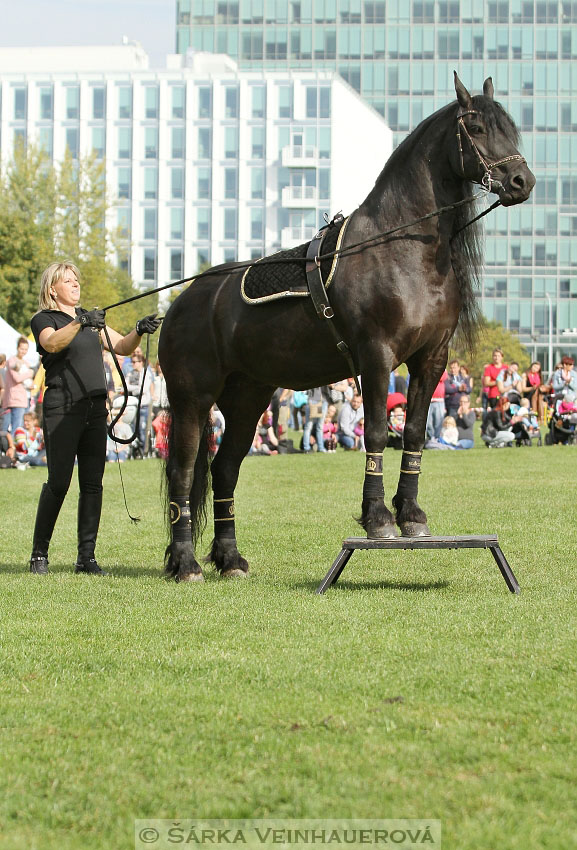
400 55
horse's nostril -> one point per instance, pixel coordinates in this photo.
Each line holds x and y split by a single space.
518 181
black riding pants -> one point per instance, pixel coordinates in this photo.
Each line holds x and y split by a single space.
72 431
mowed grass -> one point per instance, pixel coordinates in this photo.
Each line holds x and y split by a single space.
417 687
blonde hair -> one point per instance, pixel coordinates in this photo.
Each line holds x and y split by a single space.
51 275
449 422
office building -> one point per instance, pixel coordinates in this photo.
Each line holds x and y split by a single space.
205 163
400 55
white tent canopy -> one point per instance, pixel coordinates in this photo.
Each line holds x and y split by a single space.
8 341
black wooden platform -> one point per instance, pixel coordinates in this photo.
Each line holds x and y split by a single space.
483 541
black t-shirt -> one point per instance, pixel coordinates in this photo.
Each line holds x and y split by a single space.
78 369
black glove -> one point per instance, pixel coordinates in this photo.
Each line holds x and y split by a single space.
92 318
148 325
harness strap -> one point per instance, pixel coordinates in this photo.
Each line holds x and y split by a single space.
320 297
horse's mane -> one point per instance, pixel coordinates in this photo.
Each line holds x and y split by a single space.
467 243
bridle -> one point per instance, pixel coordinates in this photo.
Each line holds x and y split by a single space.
487 180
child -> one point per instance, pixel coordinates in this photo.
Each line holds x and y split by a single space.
330 429
359 432
161 428
29 442
449 432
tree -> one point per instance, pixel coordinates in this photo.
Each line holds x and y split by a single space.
48 214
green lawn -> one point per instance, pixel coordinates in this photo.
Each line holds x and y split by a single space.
417 687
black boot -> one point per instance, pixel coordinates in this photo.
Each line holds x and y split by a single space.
46 515
89 510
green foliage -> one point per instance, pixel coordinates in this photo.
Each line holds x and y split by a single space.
492 335
49 214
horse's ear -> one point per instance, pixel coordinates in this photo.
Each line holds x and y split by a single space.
488 89
463 95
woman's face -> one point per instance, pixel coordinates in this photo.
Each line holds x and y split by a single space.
535 367
22 350
66 291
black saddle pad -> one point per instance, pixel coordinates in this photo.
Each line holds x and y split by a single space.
269 279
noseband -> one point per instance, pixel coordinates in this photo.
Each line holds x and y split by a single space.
487 180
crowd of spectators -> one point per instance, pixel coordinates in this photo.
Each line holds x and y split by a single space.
510 404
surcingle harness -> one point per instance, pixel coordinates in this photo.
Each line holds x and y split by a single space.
307 270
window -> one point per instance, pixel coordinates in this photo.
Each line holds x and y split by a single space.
45 140
124 183
150 223
98 102
176 183
204 102
151 143
124 143
230 223
98 142
178 101
46 103
204 143
203 223
151 183
230 142
203 188
123 220
257 142
257 183
258 94
285 101
230 183
149 264
151 102
177 143
125 102
231 102
177 223
73 102
19 139
20 103
256 223
176 264
73 141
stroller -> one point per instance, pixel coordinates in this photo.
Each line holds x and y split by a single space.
562 422
125 427
528 431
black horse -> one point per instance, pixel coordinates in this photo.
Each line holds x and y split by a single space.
398 297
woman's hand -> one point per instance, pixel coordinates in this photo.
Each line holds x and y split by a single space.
148 325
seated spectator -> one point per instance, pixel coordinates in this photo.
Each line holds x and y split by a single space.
497 429
529 421
29 442
509 383
449 433
564 377
350 415
534 388
330 429
396 425
465 421
265 441
454 387
7 451
359 432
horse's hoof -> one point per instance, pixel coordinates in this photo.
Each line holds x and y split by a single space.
385 533
234 573
190 577
414 529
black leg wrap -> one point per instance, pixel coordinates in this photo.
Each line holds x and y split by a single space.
373 483
409 478
224 518
180 521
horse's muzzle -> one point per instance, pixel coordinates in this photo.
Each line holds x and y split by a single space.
516 185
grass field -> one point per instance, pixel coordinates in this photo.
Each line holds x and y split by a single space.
417 687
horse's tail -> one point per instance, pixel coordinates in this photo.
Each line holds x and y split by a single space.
200 482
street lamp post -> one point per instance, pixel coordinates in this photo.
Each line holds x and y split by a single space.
550 351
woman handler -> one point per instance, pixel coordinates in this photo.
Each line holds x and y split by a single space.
69 341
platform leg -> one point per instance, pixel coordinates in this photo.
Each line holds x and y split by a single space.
333 574
506 570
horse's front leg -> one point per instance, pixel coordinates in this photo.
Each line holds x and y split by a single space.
410 518
376 518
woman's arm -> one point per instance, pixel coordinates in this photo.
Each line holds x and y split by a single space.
122 345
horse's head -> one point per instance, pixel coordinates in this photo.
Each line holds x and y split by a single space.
487 146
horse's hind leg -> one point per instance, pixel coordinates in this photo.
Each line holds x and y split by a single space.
241 403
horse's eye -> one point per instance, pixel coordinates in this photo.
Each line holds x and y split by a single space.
476 130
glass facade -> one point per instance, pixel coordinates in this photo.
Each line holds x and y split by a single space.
400 55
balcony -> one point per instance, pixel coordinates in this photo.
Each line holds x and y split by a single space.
290 237
301 197
300 156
